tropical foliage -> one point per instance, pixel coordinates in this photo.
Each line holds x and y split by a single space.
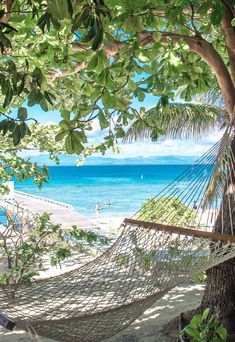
27 240
167 210
182 120
91 60
13 163
205 327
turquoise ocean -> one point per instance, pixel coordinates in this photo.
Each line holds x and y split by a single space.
126 187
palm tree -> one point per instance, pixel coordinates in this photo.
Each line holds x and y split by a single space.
179 119
187 120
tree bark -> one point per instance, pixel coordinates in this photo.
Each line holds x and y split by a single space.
229 33
8 8
219 293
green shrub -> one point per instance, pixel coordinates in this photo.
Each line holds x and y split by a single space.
25 242
205 328
167 210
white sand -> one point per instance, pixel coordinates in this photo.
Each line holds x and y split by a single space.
148 327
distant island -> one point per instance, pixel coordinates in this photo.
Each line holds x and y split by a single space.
66 160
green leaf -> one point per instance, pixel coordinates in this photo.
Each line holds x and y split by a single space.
81 18
205 314
58 8
65 125
68 144
65 114
140 94
217 13
44 21
12 125
163 101
233 22
34 98
99 35
143 58
4 124
4 41
104 123
192 332
76 142
119 104
43 104
60 136
93 62
48 97
73 144
103 9
8 98
7 28
108 100
195 321
120 133
22 113
21 86
17 135
70 8
222 332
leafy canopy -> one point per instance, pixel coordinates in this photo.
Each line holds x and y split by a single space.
90 59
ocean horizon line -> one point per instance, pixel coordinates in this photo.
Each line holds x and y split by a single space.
72 160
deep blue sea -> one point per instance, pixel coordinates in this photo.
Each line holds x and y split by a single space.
125 186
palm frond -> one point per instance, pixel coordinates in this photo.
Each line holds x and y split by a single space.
177 120
223 167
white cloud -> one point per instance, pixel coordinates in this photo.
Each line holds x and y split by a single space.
49 123
166 147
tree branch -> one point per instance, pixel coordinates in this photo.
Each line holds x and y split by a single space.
111 49
229 34
207 52
195 43
65 73
6 15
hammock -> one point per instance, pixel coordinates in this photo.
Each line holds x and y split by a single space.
156 251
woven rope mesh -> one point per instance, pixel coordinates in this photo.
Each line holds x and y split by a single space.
106 295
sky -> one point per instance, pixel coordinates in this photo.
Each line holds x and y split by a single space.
164 147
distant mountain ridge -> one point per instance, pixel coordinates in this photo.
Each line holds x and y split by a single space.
66 160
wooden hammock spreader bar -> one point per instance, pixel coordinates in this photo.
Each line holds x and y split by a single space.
180 230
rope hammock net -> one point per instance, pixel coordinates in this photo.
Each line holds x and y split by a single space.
156 251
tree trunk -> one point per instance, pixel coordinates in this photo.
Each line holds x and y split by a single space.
219 293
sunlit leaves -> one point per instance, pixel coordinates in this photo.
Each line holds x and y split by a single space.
91 60
217 13
5 41
58 8
104 123
28 250
73 143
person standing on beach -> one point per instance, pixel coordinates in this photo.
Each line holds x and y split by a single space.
97 207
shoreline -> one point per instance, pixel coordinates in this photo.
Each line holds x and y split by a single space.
61 212
98 218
